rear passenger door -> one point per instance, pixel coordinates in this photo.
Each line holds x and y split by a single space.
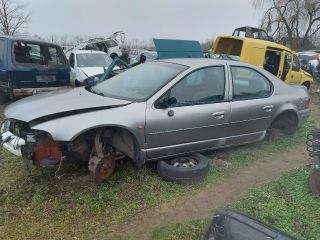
252 107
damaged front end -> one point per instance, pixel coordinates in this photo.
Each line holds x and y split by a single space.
93 149
32 145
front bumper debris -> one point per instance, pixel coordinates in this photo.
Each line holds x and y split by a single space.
12 143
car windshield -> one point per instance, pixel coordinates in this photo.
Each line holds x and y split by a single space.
140 82
93 60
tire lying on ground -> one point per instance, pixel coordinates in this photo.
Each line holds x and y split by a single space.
186 169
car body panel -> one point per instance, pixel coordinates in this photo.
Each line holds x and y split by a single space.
172 132
172 48
123 116
45 104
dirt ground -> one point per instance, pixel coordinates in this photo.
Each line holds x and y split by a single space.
201 205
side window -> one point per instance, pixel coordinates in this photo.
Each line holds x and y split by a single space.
37 54
54 56
71 60
203 86
249 84
28 53
295 64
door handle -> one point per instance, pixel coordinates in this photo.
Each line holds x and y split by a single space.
218 115
268 108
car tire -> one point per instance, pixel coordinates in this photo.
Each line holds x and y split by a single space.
287 123
186 169
314 182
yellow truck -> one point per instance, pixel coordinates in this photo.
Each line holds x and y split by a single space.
255 47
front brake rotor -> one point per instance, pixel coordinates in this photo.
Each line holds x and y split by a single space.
314 182
105 167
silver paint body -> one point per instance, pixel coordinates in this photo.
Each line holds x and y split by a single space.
190 129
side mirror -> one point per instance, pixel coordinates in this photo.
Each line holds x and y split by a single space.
172 101
166 102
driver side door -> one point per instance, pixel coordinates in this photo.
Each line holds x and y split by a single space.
195 118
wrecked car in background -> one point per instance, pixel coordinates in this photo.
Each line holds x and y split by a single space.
30 66
86 64
253 46
153 112
109 45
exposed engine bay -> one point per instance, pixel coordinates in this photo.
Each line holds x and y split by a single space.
97 149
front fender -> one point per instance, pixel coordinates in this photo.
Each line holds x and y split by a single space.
130 117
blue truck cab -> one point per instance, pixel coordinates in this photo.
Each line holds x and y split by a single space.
30 66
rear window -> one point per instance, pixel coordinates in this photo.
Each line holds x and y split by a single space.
37 54
229 46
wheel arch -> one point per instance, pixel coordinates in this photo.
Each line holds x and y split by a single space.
122 138
307 83
283 114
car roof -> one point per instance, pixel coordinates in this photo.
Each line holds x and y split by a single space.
259 42
21 38
199 62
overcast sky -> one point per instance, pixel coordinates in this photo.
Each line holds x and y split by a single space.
140 19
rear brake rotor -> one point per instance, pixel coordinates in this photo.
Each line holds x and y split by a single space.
314 182
105 167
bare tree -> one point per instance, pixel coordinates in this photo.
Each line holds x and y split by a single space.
207 44
13 17
296 21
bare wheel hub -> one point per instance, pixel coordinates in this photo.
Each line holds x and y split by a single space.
102 161
184 162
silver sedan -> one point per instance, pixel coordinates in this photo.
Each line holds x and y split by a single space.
154 111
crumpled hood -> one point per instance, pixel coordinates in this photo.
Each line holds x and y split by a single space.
91 71
61 101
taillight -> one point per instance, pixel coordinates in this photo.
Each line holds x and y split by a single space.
315 57
307 103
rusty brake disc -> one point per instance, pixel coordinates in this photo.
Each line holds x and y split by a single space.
105 167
